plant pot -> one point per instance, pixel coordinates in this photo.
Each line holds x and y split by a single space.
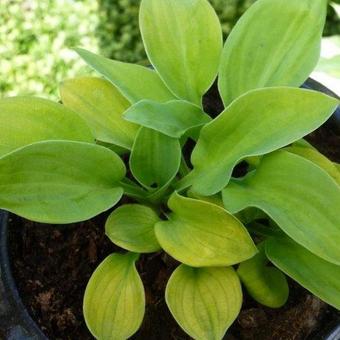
17 324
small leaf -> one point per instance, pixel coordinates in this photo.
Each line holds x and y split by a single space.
114 301
299 196
25 120
135 82
257 123
202 234
183 40
267 285
60 181
155 158
275 43
173 118
320 277
131 227
101 105
204 301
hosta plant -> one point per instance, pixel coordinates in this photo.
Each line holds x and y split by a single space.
63 163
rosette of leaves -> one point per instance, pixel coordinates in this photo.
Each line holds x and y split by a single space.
63 163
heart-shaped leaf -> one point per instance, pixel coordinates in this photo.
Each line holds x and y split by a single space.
298 195
183 40
25 120
114 301
101 105
135 82
204 301
60 181
155 158
320 277
257 123
267 285
275 43
131 227
173 118
202 234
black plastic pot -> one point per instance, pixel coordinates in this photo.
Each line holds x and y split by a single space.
17 324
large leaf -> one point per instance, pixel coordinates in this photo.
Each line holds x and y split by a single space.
131 227
135 82
183 40
155 158
102 106
60 181
25 120
267 285
320 277
204 301
257 123
114 301
275 43
202 234
298 195
173 118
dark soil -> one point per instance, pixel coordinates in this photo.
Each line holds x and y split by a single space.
52 264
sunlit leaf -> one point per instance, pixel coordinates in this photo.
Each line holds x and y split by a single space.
299 196
275 43
320 277
60 181
204 301
173 118
135 82
255 124
101 105
202 234
114 301
131 227
183 40
25 120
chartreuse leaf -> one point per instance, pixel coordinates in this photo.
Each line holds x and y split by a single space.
60 181
257 123
204 301
320 277
155 158
275 43
202 234
172 118
298 195
114 301
267 285
131 227
183 40
135 82
101 105
25 120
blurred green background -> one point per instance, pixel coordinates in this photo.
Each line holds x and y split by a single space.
36 37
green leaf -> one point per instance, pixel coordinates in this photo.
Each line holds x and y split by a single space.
275 43
202 234
204 301
267 285
183 40
131 227
60 181
25 120
299 196
135 82
257 123
114 301
155 158
320 277
101 105
173 118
